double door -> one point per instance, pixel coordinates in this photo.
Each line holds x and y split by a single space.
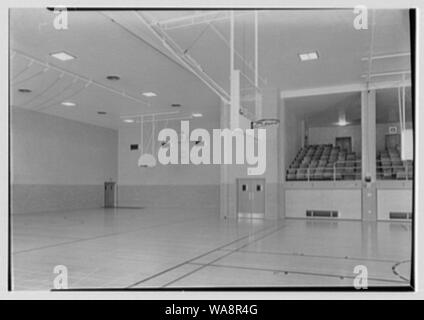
109 194
251 198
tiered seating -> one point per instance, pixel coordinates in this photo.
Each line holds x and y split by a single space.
323 162
326 162
390 166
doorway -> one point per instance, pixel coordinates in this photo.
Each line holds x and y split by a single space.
110 194
345 143
251 198
392 141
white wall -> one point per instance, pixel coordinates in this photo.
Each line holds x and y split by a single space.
172 174
50 150
393 201
324 135
347 202
172 185
58 163
383 129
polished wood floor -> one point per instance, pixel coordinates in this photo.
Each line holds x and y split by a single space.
168 248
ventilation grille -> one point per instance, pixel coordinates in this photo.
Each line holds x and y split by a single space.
322 213
401 215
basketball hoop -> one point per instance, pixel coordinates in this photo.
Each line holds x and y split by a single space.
264 123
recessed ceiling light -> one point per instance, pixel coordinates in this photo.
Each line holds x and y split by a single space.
129 120
175 105
63 56
149 94
308 56
197 115
68 104
24 90
101 112
113 77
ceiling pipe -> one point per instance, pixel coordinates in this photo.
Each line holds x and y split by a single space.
388 73
388 56
371 47
149 114
196 19
245 62
184 58
82 78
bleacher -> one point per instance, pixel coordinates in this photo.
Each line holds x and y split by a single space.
324 162
390 166
327 162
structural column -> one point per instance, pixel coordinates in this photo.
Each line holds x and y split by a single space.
282 145
270 109
224 176
368 175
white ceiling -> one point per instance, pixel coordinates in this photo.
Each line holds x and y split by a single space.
125 47
324 110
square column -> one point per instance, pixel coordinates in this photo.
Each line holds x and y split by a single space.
368 175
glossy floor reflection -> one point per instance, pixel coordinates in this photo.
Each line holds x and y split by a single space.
163 247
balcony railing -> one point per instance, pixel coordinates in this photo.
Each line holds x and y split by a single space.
349 170
404 171
339 170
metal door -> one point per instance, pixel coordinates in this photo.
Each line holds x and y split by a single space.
258 198
251 198
109 194
244 204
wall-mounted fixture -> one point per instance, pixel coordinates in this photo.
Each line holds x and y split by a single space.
113 77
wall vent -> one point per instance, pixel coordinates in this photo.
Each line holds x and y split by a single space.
322 213
400 215
134 147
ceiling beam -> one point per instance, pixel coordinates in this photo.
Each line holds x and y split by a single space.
196 19
190 63
82 78
387 56
388 73
356 87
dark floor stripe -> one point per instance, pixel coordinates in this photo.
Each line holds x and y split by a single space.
314 256
396 272
195 258
221 257
294 272
100 236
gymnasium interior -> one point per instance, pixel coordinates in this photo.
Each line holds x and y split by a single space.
90 90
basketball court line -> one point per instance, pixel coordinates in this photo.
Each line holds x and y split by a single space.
201 256
102 236
294 272
231 251
394 269
223 256
300 254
